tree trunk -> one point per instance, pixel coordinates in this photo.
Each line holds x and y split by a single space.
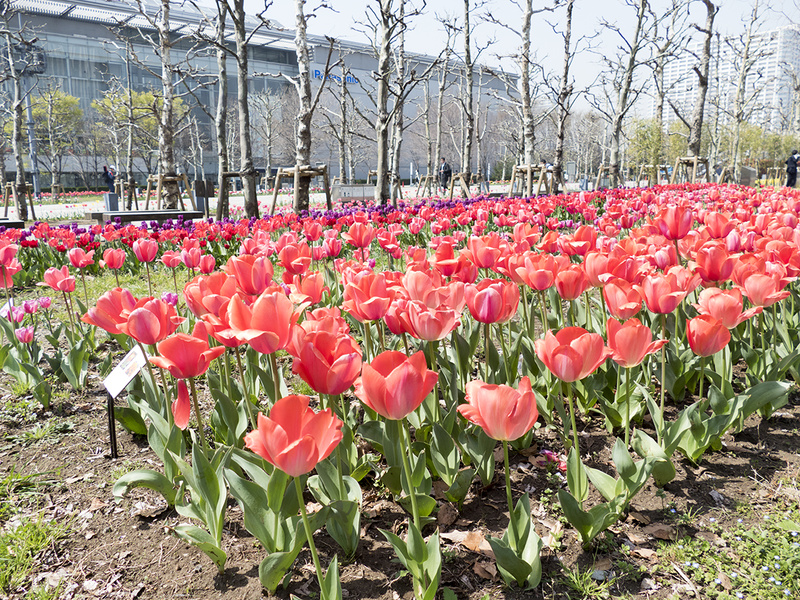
246 169
739 102
166 127
469 113
622 97
696 127
398 122
382 122
437 148
16 137
528 131
341 138
563 99
303 139
221 117
129 150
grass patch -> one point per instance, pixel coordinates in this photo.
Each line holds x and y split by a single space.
755 561
42 431
20 548
18 490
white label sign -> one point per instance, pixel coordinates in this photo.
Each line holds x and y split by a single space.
6 308
126 370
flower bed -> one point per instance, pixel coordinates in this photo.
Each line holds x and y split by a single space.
427 334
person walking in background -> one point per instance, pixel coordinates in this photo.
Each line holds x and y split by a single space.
108 177
445 172
791 169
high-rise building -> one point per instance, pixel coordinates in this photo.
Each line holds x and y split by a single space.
770 98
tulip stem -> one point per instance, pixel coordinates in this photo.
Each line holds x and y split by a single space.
702 376
405 343
149 284
200 427
333 399
175 280
273 361
407 469
116 276
309 535
367 341
486 342
603 305
247 403
525 310
545 325
588 302
627 407
509 498
774 325
435 391
71 321
659 432
85 292
382 337
572 420
505 353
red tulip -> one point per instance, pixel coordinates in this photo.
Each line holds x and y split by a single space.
328 362
266 325
571 282
359 235
572 353
294 437
295 258
145 249
492 300
761 290
112 309
366 296
707 335
485 251
171 259
191 257
60 279
394 385
502 412
186 356
308 288
431 324
113 258
662 293
714 263
630 342
79 258
205 295
182 406
675 222
150 321
253 273
8 253
622 299
725 305
207 263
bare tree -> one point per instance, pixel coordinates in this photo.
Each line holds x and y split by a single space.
266 106
172 74
302 83
667 40
16 41
696 124
747 52
619 90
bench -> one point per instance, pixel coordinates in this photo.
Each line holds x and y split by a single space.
128 216
12 223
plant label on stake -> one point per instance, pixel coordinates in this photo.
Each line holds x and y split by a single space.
5 310
117 381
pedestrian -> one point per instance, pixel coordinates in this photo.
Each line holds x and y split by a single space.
445 172
791 169
108 176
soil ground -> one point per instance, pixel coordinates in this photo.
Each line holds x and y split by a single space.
123 550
